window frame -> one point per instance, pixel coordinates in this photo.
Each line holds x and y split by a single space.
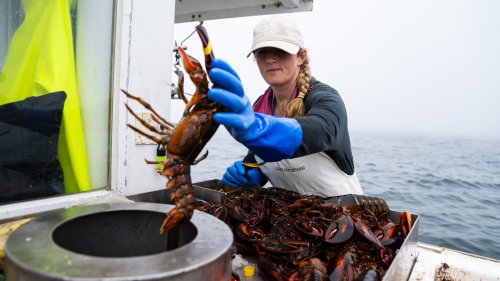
140 63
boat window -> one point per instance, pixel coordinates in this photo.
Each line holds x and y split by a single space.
55 63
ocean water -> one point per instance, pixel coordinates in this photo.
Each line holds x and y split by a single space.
452 183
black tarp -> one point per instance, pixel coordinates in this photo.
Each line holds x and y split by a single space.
29 134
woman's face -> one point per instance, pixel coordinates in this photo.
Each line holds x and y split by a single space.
277 67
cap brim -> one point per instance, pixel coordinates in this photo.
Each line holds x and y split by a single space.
285 46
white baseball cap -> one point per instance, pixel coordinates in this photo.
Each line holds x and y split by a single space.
277 32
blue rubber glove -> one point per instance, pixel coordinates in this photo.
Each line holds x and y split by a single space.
269 137
237 175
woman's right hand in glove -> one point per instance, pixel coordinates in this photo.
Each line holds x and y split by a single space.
272 138
237 175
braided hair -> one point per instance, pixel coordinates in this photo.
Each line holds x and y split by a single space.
295 107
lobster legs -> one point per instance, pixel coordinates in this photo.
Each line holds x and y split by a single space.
166 128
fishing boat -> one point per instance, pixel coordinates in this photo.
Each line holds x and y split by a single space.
127 44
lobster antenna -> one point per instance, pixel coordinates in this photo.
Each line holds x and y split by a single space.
191 34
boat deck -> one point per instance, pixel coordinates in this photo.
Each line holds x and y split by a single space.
437 263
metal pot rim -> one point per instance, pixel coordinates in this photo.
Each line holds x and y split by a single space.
32 248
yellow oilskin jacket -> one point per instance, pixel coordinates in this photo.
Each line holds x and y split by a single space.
40 60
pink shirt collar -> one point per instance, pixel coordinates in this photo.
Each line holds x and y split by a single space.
263 105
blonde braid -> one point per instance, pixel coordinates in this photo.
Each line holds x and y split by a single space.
296 108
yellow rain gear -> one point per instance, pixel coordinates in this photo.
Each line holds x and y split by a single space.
40 60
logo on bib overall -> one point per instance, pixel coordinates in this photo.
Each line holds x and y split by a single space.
290 170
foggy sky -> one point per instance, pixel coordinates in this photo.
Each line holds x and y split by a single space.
425 67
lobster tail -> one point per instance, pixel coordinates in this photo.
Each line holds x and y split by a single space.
180 184
354 203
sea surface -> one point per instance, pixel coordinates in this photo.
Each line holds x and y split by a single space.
452 183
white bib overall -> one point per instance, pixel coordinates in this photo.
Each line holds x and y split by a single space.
312 174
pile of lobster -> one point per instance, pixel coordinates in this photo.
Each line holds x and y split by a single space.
307 237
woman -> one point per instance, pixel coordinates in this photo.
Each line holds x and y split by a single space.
298 127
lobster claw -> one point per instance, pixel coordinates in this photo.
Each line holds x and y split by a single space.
313 269
363 229
300 203
248 233
219 212
283 246
342 266
307 227
340 230
394 232
237 213
192 66
389 234
405 223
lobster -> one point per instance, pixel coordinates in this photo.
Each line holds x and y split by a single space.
185 140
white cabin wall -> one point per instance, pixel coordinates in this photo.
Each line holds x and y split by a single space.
143 63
